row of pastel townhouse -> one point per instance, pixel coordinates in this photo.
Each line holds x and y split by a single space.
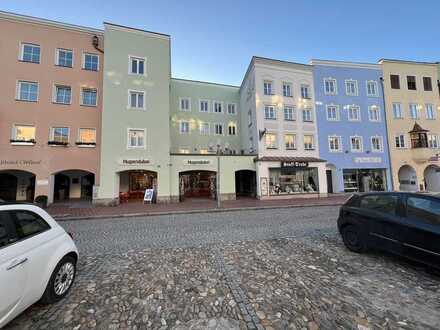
90 114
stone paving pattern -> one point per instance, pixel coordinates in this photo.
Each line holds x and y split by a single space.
243 276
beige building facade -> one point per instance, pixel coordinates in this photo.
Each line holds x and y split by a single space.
412 106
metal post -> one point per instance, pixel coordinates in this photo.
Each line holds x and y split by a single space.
218 178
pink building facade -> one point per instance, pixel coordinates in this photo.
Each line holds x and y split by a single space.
50 109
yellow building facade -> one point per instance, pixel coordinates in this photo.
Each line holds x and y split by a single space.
412 108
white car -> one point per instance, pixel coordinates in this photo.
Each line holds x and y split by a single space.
37 259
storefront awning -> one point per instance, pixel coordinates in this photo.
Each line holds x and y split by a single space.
289 159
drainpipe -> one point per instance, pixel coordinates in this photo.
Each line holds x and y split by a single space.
386 128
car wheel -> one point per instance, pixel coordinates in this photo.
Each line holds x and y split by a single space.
353 239
60 281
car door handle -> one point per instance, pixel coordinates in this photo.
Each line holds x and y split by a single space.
16 263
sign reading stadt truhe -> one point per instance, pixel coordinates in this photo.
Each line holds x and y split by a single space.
197 162
294 164
135 162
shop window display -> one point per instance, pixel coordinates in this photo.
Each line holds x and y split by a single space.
285 181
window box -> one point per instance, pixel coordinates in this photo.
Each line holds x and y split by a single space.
58 143
23 142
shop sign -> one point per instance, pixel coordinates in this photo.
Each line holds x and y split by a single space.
20 162
135 162
197 162
368 160
294 164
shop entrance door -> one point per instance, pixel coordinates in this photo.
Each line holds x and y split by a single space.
198 184
329 181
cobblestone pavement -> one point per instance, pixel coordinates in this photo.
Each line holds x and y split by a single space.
234 271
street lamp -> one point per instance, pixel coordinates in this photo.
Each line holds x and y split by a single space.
217 184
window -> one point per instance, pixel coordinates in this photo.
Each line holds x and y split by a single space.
185 104
218 107
28 223
290 141
307 115
136 138
430 112
395 81
376 144
383 203
269 112
88 97
399 141
87 136
6 230
204 151
354 113
397 111
204 128
289 113
305 92
332 113
232 129
231 109
424 209
356 143
30 53
271 141
137 65
287 89
218 129
24 134
309 142
63 94
414 111
64 58
427 84
372 88
330 87
204 106
433 141
351 87
184 127
90 62
411 81
136 99
373 113
334 144
27 91
183 150
268 87
60 135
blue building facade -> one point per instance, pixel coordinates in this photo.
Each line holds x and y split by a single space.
352 126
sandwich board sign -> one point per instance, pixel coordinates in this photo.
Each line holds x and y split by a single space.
148 196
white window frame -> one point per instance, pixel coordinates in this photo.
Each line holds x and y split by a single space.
401 112
181 122
399 135
81 97
52 133
21 54
184 98
274 117
57 57
361 143
215 129
294 141
434 114
54 96
275 144
83 66
209 128
374 82
307 87
144 142
139 58
221 106
433 137
79 138
335 82
200 105
337 112
293 108
129 92
380 143
14 134
356 87
290 85
410 108
271 89
235 129
339 138
313 142
376 108
18 90
235 109
358 111
309 110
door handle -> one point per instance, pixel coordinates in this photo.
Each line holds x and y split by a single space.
16 263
